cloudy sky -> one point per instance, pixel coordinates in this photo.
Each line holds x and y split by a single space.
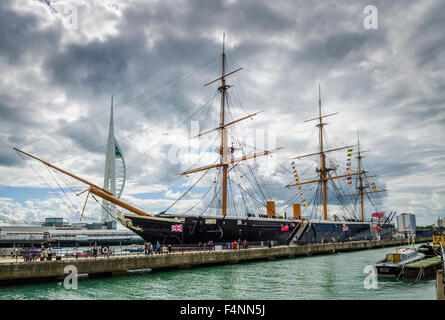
62 61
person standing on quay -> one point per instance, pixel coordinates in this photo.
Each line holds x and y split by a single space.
31 253
77 250
158 247
44 255
15 253
50 253
95 250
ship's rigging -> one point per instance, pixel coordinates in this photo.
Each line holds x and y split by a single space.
234 180
330 172
228 166
227 161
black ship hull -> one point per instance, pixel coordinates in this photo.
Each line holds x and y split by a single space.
194 229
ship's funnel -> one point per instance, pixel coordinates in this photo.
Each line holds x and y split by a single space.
297 210
270 208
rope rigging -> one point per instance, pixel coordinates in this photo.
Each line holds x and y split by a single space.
187 191
252 192
168 86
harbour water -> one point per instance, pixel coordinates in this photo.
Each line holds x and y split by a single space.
334 276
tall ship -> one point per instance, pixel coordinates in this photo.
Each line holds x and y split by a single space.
226 226
346 224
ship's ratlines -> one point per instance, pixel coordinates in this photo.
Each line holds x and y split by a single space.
240 206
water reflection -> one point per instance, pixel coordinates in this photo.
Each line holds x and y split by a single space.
335 276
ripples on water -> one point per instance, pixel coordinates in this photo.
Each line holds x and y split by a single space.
335 276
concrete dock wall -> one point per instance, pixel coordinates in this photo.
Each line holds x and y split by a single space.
25 271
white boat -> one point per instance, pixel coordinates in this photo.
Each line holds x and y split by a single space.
396 260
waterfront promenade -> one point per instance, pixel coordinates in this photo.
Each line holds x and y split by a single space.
12 271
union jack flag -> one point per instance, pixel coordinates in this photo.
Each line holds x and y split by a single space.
177 228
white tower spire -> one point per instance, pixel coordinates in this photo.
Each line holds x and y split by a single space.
115 172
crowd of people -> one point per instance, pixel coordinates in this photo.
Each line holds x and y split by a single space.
149 249
47 253
236 245
32 253
158 248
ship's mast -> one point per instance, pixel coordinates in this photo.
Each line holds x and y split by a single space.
323 160
361 188
224 162
323 170
224 150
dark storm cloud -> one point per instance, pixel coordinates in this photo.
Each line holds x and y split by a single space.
333 48
18 122
286 49
106 66
21 35
86 136
94 68
18 111
166 172
429 36
7 157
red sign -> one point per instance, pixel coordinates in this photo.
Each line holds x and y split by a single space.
284 228
378 214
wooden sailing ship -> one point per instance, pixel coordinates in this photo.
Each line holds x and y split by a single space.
177 228
349 227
